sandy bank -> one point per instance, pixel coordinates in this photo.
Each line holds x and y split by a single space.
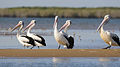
60 53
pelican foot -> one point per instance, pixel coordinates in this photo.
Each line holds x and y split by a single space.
31 47
38 47
59 47
108 47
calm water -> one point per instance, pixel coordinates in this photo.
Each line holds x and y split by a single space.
60 62
84 39
47 23
83 30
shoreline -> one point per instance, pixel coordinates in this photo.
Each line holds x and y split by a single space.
59 52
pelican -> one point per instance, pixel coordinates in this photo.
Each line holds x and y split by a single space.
23 39
110 38
39 40
62 37
68 37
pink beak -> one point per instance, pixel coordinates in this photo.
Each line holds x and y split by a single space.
103 22
63 26
18 25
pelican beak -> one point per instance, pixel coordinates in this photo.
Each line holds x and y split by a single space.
18 25
56 20
63 26
103 22
27 26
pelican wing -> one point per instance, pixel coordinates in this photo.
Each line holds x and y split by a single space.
27 39
24 38
39 38
42 42
66 37
65 34
115 38
71 41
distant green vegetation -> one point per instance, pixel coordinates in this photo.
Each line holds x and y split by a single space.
61 12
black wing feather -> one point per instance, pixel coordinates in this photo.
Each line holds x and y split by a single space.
71 42
43 40
31 41
116 39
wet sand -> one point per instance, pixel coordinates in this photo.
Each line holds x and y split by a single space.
59 52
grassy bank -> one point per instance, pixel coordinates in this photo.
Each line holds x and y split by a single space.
61 12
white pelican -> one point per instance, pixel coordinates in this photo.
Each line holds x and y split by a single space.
62 37
23 39
39 40
108 37
70 38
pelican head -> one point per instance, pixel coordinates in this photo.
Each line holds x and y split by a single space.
105 21
55 22
31 24
67 24
20 24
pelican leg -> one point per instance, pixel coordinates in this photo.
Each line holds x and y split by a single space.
38 47
107 47
59 47
27 46
24 46
31 47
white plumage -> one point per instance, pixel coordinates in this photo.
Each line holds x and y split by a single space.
60 36
39 40
110 38
23 39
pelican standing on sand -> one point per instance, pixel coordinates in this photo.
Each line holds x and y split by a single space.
62 37
68 37
23 39
110 38
39 40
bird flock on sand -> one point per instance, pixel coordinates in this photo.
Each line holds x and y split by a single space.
61 36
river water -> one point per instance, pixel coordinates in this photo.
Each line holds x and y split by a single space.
82 29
